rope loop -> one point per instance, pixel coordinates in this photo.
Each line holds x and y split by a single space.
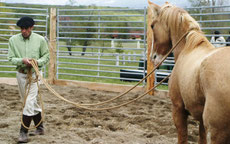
29 81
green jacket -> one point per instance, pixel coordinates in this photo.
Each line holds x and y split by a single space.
34 47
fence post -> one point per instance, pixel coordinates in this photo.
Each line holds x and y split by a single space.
123 58
138 44
134 56
129 57
117 59
52 45
150 65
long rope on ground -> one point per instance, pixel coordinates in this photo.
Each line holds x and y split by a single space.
33 63
124 93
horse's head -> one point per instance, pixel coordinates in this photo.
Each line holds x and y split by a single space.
161 34
169 23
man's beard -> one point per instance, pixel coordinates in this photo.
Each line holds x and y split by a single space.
26 37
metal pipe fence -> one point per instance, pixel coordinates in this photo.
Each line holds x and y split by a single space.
210 19
101 43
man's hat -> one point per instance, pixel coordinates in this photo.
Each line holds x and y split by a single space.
25 22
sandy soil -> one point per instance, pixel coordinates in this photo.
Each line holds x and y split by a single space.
147 121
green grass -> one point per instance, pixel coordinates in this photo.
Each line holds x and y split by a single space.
162 87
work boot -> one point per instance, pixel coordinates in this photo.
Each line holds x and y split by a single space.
40 128
23 138
38 131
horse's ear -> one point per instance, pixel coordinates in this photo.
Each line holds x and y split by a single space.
150 2
166 2
154 8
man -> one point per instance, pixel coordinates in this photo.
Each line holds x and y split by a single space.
23 47
218 41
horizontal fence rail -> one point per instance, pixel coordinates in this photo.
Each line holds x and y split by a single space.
87 27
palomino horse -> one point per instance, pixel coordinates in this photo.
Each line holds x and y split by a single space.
200 82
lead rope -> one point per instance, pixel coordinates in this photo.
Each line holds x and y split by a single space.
124 93
93 109
29 81
113 107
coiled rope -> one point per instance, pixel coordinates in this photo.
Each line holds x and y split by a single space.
29 81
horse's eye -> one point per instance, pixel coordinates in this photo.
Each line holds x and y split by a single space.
152 26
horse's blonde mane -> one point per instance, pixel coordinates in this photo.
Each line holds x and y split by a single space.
194 39
178 21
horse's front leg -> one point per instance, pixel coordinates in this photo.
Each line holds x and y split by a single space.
180 120
202 133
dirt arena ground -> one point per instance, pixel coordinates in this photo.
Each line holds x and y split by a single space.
147 121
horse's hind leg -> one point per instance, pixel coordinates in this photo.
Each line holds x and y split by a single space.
218 137
180 116
218 133
216 122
